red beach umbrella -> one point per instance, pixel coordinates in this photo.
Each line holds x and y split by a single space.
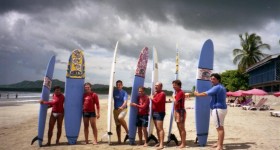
238 93
276 94
255 92
229 93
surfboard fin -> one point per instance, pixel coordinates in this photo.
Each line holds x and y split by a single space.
152 137
34 139
172 137
126 138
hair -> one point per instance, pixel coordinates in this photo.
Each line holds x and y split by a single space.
141 87
159 83
87 83
119 81
56 87
217 76
177 82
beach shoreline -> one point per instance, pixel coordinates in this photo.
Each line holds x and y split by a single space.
244 129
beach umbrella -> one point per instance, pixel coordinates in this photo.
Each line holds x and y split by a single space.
238 93
255 92
276 94
229 93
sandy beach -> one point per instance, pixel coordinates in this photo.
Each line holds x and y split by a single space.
243 129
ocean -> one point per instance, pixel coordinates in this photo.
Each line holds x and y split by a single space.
27 97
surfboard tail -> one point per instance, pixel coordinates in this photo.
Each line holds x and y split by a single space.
172 137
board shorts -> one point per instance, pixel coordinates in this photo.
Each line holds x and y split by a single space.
119 114
218 116
89 114
56 114
180 115
142 120
158 116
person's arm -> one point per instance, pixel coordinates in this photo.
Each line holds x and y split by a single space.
158 99
125 102
200 94
97 106
146 104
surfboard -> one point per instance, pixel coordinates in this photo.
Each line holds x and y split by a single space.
74 89
170 135
110 96
44 96
202 104
138 81
154 80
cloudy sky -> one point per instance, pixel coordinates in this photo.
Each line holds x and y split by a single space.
31 31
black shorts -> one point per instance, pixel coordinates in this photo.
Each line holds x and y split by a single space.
158 116
142 121
89 114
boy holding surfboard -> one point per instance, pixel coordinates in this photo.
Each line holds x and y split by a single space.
57 113
143 115
120 109
91 112
158 100
180 112
218 106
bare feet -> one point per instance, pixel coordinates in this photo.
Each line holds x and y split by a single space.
48 144
157 145
145 145
181 146
219 148
214 145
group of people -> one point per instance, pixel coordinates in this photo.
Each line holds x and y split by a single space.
91 111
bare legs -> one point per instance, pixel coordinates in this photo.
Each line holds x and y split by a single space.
142 130
160 132
118 128
182 131
52 121
221 135
92 121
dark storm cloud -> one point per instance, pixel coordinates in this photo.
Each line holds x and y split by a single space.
201 14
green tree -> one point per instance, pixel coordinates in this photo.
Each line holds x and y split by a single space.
234 80
250 53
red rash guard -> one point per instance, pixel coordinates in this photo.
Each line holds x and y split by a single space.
179 100
90 99
143 105
56 103
159 102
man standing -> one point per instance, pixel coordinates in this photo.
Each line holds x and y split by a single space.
158 100
180 112
120 109
218 106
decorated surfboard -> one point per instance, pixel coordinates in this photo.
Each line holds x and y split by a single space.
44 96
172 137
154 80
110 97
139 79
202 108
74 89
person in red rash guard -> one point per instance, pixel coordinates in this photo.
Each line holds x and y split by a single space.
143 115
91 111
179 111
57 113
158 108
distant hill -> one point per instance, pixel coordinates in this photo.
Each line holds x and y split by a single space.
36 86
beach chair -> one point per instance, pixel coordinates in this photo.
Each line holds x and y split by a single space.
247 102
275 113
248 107
259 105
235 104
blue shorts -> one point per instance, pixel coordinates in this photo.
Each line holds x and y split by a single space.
158 116
142 121
89 114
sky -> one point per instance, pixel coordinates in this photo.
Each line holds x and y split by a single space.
32 31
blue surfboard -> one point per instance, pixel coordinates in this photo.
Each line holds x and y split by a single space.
44 96
138 81
74 89
202 104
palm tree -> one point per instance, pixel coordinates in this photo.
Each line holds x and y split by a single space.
250 52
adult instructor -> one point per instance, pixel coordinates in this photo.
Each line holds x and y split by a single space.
218 106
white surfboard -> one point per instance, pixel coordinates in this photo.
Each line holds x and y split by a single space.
110 97
154 80
170 135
